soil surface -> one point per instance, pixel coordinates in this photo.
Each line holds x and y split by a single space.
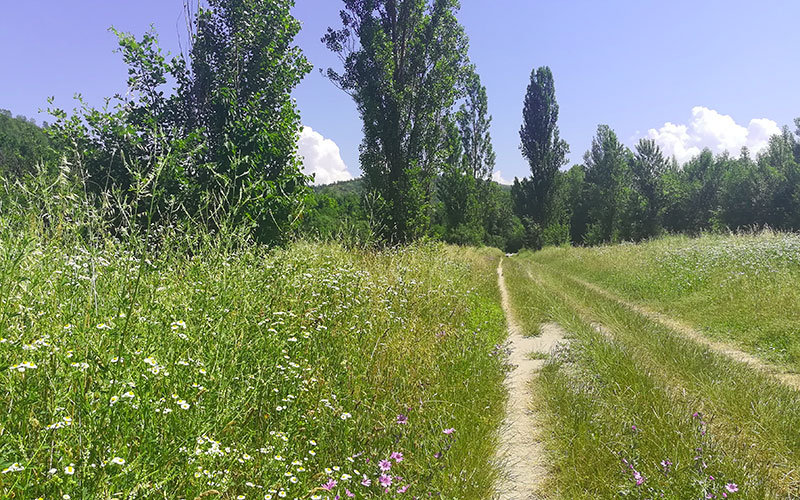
521 452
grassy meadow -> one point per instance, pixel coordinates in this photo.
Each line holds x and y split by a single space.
304 372
740 289
635 410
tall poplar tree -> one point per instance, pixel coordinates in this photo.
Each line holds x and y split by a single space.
403 64
541 145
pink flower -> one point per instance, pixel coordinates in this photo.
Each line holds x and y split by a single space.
331 484
366 481
402 419
385 465
449 431
402 489
397 456
348 493
385 480
732 487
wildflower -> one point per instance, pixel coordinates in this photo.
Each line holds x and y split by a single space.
330 485
183 404
403 489
103 326
113 400
385 480
345 416
732 487
396 456
118 461
27 365
402 419
69 470
385 465
449 431
15 467
638 477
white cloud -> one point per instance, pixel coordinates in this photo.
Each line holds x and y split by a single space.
710 129
497 176
321 158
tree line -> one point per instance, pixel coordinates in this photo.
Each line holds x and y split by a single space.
208 139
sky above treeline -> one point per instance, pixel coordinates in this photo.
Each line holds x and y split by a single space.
721 74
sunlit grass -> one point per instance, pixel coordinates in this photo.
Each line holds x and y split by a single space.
703 415
247 373
735 288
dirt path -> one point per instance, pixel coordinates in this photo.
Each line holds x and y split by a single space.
789 379
521 451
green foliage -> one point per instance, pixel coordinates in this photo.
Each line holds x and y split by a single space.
338 212
635 409
403 64
23 146
218 148
131 371
541 145
464 187
608 174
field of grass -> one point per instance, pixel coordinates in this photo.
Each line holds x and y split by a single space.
634 409
740 289
305 372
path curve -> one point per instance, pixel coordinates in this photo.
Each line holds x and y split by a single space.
790 379
521 452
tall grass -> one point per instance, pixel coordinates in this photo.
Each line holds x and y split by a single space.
622 400
735 288
201 368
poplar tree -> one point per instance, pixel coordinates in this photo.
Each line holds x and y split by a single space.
541 145
403 63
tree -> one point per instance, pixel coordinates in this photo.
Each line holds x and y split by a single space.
457 191
540 144
648 165
23 145
463 187
403 63
218 147
607 175
473 125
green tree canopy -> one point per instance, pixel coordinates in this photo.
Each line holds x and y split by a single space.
220 145
404 61
540 143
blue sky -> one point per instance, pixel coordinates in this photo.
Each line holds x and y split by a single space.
716 73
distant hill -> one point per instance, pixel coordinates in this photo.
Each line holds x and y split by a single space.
341 188
356 186
22 145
